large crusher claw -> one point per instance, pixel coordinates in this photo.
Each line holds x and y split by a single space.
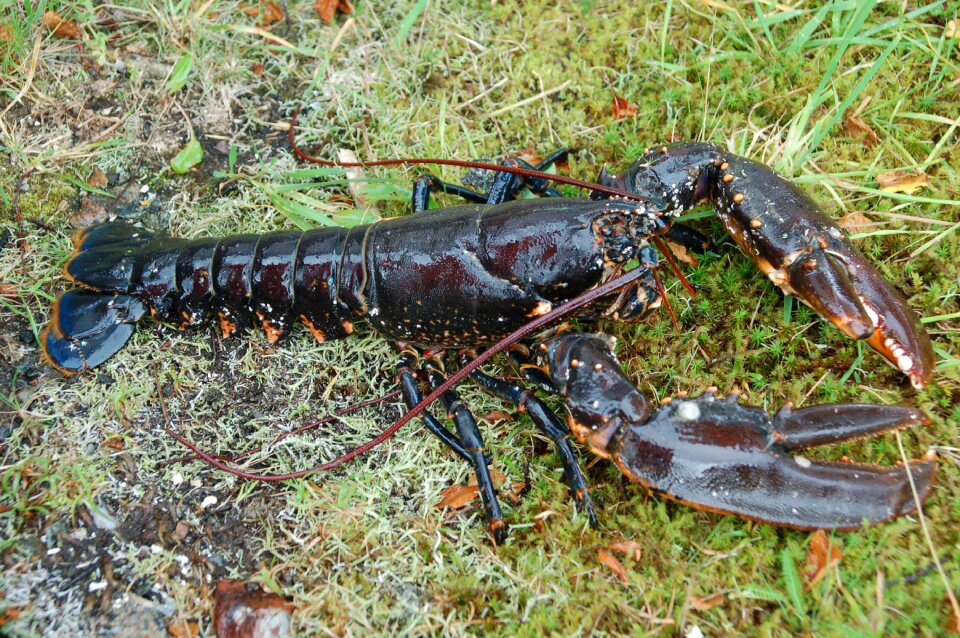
719 455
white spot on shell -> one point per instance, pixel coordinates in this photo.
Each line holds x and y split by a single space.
905 363
688 410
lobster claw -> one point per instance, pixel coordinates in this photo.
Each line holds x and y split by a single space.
804 253
722 456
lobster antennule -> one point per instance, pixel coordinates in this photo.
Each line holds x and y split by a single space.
722 456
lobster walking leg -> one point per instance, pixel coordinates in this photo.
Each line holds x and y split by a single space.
412 396
469 434
504 186
553 427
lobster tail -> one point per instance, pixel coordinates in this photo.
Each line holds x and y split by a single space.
88 327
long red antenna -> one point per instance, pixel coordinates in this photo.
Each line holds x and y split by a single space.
514 170
529 328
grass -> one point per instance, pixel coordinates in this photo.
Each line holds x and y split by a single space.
85 463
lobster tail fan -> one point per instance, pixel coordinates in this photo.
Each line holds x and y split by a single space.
86 328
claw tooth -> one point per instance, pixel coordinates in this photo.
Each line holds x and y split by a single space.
905 363
874 317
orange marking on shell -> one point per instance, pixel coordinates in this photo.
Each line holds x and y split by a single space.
347 327
317 333
273 333
727 178
738 198
227 327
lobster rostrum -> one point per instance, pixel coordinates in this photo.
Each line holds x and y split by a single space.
462 277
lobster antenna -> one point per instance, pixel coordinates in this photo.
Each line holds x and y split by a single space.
514 170
521 332
673 265
303 428
666 300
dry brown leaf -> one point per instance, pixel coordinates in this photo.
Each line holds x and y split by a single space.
707 602
6 35
498 478
854 126
90 213
257 69
627 548
902 181
181 530
855 222
953 621
495 416
8 291
97 179
457 496
821 556
272 12
60 28
681 253
114 443
622 109
327 9
952 30
615 566
183 628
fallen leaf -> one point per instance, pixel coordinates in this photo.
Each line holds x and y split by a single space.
183 628
6 35
615 566
707 602
97 179
622 109
8 291
61 28
902 181
181 530
498 478
854 126
952 30
529 155
681 253
855 222
457 496
627 548
257 69
953 622
90 213
821 556
495 416
272 12
114 443
327 9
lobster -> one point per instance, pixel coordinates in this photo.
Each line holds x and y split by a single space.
462 277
